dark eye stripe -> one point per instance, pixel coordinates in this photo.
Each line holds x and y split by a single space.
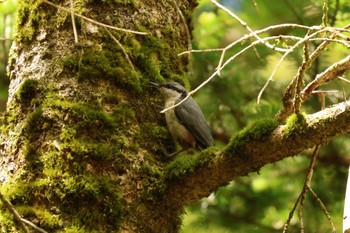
172 87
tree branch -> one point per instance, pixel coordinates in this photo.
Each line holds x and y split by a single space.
215 168
332 72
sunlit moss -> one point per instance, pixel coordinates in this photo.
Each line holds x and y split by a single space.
259 130
294 123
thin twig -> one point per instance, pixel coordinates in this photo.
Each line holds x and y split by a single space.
344 79
287 108
299 78
332 72
244 24
321 94
14 212
302 196
283 57
323 207
290 216
227 62
121 47
29 223
94 21
248 36
73 22
21 221
325 13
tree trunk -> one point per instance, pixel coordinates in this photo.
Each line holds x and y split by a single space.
82 136
82 139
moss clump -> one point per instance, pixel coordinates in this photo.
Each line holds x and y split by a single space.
123 114
94 64
27 91
156 135
185 165
33 158
259 130
88 116
28 18
294 123
34 124
153 181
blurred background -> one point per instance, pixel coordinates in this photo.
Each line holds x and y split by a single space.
262 202
7 19
259 202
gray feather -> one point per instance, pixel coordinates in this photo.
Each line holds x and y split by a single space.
191 116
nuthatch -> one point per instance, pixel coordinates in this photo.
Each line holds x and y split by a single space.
186 122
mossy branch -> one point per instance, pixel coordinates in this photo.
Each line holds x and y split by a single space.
256 152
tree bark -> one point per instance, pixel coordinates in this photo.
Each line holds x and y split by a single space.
83 140
82 136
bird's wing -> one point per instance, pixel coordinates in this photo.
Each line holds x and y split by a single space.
191 116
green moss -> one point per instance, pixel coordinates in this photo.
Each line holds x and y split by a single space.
88 115
156 135
74 229
187 164
33 158
153 181
6 220
294 123
34 124
47 219
27 91
28 18
123 114
259 130
94 64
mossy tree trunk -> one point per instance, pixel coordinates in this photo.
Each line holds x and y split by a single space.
82 135
82 138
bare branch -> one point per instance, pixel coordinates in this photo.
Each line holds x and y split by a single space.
248 36
228 61
344 79
244 24
305 39
323 207
73 22
332 72
29 223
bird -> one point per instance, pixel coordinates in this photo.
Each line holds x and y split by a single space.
186 122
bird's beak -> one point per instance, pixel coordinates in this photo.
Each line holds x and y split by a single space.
154 84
